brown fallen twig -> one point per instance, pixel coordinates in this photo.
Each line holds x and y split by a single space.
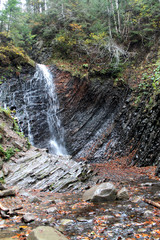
155 204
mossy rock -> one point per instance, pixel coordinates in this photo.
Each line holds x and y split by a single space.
15 55
12 60
4 60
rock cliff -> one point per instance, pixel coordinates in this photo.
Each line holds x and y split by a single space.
99 118
101 122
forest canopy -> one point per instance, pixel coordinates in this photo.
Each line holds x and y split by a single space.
102 31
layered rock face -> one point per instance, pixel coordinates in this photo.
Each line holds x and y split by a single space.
40 170
102 123
36 104
99 120
88 113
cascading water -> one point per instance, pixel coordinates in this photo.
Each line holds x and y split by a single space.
56 142
37 106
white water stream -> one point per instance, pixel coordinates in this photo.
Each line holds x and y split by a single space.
56 141
56 129
36 103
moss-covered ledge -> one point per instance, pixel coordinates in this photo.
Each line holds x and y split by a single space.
12 58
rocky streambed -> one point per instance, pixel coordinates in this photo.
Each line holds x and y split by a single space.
37 176
130 218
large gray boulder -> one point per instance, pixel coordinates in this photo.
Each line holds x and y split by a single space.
45 233
101 193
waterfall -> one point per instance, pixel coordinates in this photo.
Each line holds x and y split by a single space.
37 109
56 141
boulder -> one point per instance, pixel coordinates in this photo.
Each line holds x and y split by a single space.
123 194
101 193
27 218
45 233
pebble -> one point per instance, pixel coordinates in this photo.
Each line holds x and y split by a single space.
81 219
65 222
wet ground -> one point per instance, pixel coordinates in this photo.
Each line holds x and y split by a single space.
129 219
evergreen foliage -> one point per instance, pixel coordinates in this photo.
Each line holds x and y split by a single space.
99 31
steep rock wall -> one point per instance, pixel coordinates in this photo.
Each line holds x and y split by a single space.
99 119
88 110
102 123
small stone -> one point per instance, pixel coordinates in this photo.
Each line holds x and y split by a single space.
81 219
28 217
123 194
66 222
34 199
157 196
142 230
108 217
8 192
2 187
148 214
24 193
6 169
51 210
1 163
1 174
2 222
136 199
51 202
147 184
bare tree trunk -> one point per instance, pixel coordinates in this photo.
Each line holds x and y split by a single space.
62 12
43 6
109 20
118 16
114 16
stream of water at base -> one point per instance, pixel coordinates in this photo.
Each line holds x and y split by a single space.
37 107
56 141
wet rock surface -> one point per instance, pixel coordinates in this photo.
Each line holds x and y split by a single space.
29 95
46 233
101 193
99 118
101 121
40 170
123 219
